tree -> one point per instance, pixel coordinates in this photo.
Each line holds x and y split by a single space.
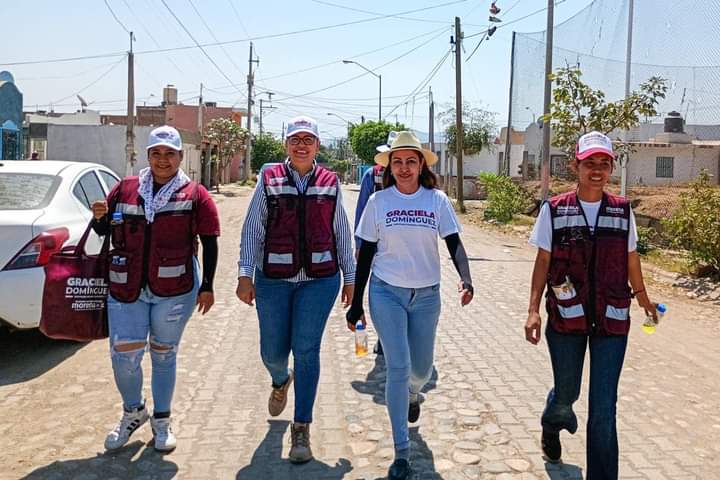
266 149
366 136
479 128
230 138
325 155
341 167
578 109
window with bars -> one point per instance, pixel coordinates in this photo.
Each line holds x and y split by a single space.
664 167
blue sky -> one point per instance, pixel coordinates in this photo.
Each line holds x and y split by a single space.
48 30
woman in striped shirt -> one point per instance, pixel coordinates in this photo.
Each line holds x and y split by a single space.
295 240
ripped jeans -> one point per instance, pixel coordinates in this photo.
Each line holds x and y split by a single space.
163 320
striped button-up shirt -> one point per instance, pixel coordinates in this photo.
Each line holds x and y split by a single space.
252 239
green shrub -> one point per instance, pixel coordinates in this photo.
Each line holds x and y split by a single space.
645 239
695 225
505 198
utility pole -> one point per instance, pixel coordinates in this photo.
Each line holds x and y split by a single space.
248 145
262 108
459 131
628 66
431 126
508 144
130 122
545 169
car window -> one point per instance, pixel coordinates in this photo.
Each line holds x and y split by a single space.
26 191
88 189
109 178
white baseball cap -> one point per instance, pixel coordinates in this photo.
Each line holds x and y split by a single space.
386 146
302 124
166 136
592 143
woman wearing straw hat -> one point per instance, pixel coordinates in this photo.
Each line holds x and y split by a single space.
399 230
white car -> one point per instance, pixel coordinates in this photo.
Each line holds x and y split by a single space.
44 205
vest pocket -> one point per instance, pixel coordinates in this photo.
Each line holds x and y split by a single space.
617 315
119 268
172 273
567 316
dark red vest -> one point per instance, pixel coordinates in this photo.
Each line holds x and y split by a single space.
159 254
596 264
299 230
378 171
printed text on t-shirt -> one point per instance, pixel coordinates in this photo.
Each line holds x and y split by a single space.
416 218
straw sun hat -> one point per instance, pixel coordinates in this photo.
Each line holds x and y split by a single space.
406 140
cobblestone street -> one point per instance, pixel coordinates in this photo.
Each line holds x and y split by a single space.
480 417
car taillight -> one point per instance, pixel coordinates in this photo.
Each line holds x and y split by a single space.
38 251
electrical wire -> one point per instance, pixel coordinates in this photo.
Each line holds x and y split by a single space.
116 17
344 7
202 49
212 34
104 74
403 55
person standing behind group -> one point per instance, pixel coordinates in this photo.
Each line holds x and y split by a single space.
399 230
586 242
295 239
372 181
154 278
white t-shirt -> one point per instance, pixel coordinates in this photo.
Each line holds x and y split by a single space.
406 229
541 236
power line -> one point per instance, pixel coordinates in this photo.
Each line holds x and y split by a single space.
404 54
424 82
192 4
116 17
228 42
558 2
200 46
237 15
150 35
104 74
345 7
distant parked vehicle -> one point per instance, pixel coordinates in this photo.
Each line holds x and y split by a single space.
44 206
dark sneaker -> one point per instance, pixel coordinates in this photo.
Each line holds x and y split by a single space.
378 348
300 443
399 470
414 411
278 397
551 446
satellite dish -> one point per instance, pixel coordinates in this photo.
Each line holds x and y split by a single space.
6 76
83 103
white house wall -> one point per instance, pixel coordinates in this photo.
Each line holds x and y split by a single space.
689 160
103 144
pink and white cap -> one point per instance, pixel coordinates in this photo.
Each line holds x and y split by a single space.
592 143
302 124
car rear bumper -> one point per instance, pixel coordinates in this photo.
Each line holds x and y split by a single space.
21 293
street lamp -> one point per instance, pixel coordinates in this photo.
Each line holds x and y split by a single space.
379 77
341 118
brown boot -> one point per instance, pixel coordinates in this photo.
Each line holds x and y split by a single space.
300 450
278 397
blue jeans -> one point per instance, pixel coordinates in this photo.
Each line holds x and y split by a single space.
163 320
292 319
567 354
405 320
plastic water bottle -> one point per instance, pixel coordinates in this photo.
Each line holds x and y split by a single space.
117 218
361 340
650 324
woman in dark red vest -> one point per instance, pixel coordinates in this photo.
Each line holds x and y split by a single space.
295 240
155 282
586 255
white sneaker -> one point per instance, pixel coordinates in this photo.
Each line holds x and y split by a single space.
165 440
130 422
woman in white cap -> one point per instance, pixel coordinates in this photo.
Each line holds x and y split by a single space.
155 280
587 254
399 230
296 240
